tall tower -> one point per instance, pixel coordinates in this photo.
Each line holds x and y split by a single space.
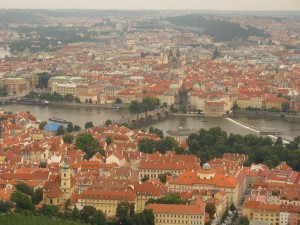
65 176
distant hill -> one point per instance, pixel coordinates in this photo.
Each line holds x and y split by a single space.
219 30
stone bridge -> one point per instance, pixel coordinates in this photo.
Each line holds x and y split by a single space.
144 118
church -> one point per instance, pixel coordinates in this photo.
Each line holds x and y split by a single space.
61 187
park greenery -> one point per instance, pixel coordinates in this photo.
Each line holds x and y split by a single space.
53 97
3 91
88 144
210 208
148 103
213 143
171 198
220 30
163 145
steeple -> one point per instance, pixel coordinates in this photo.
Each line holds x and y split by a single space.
65 165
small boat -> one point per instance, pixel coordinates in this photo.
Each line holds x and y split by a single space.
204 121
58 120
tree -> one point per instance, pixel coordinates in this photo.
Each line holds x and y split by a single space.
88 144
145 178
210 208
68 138
43 79
163 177
42 125
90 100
146 145
5 206
285 106
98 218
69 97
88 125
60 131
108 123
77 128
232 207
77 100
25 188
118 101
37 196
21 200
108 140
87 213
170 198
125 212
3 91
70 127
146 217
49 210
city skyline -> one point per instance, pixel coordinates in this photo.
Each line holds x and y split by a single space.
265 5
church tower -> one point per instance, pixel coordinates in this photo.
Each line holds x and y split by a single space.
65 176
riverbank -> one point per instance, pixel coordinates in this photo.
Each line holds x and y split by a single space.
265 114
88 105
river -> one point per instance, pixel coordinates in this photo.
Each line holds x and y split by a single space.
80 115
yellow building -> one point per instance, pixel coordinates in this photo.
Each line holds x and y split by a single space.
64 89
214 108
106 201
243 102
275 103
167 214
17 85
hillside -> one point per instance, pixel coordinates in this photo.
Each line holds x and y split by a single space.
220 30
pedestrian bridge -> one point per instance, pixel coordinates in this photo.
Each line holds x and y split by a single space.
144 118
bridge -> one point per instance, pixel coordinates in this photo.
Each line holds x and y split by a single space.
144 118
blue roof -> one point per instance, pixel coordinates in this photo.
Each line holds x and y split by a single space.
53 127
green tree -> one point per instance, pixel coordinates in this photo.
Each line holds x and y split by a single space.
22 200
77 100
98 218
88 144
60 131
49 210
146 217
146 145
285 106
68 138
5 206
88 125
145 178
90 100
125 212
3 91
108 140
163 177
77 128
108 123
69 97
87 212
43 79
37 196
170 198
42 125
118 101
210 208
25 188
232 207
70 127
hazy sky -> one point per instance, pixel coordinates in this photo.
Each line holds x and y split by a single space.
155 4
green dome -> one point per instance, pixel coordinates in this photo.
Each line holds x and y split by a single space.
65 164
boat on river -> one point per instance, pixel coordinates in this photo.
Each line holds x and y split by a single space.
29 101
55 119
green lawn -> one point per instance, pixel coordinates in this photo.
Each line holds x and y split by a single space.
21 219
